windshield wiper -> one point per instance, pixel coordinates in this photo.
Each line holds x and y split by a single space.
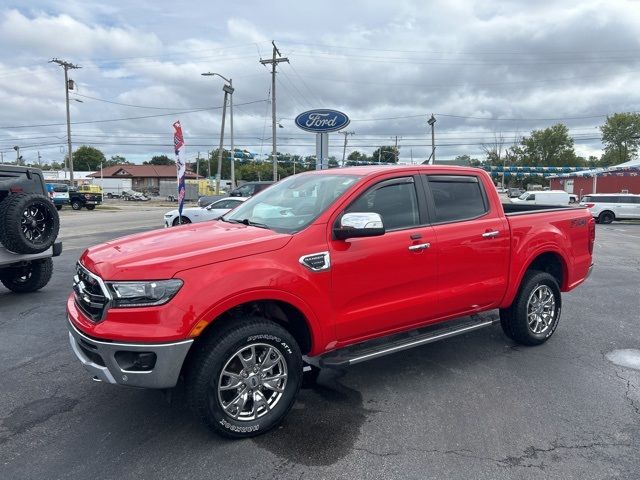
246 221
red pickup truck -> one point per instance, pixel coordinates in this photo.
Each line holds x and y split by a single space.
324 268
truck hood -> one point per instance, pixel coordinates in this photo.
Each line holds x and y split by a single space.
160 254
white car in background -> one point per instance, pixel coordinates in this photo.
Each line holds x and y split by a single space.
544 197
607 207
202 214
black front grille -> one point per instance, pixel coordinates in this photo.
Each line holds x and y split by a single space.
89 296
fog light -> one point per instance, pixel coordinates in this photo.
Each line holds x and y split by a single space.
136 361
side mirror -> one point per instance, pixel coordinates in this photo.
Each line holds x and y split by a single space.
356 225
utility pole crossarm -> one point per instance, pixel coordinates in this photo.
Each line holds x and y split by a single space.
66 67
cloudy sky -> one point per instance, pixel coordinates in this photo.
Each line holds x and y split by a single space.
483 68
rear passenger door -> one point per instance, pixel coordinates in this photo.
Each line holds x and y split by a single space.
473 244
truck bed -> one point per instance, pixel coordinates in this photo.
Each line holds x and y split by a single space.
511 209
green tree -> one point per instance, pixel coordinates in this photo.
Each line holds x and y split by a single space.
355 157
385 154
621 137
551 147
87 158
116 160
160 160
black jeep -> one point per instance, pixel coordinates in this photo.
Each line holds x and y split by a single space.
29 225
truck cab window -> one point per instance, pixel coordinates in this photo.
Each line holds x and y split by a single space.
457 198
397 204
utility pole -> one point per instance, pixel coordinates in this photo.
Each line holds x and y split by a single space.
395 151
344 149
18 157
432 122
228 92
274 62
220 150
198 165
39 159
67 86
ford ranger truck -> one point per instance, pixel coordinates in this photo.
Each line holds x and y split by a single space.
323 269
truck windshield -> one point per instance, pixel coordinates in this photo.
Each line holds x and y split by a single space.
293 203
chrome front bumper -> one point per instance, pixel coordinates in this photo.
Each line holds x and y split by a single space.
99 359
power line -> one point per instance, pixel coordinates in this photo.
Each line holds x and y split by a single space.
125 118
467 52
131 105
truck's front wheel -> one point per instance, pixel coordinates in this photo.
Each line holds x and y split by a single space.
535 312
243 380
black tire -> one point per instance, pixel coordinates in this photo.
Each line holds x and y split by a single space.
58 207
29 223
606 217
109 195
28 278
91 207
219 351
176 221
514 320
76 205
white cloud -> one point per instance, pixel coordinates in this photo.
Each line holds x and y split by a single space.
374 59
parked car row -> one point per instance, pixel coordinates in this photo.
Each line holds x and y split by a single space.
87 196
245 190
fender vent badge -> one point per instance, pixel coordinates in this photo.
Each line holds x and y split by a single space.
316 262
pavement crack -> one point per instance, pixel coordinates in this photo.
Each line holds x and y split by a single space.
531 453
378 454
627 394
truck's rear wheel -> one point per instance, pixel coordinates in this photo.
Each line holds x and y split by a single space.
91 207
28 278
535 312
243 380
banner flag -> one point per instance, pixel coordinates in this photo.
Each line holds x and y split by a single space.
178 142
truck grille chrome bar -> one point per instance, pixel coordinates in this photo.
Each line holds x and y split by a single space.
91 294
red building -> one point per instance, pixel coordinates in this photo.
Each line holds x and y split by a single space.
623 178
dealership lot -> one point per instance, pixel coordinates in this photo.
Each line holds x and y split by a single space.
475 406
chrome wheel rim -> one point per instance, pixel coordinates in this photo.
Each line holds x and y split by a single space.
34 223
541 309
252 382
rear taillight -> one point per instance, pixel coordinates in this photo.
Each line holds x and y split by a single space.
589 205
592 234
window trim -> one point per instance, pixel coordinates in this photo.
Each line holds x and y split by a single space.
423 217
444 178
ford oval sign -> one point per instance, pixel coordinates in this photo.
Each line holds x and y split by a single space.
322 121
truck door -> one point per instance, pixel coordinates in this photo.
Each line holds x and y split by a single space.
388 282
473 244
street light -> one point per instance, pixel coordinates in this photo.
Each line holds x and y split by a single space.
228 91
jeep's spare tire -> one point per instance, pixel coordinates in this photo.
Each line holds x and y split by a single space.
29 223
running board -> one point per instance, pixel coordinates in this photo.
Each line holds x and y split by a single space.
403 341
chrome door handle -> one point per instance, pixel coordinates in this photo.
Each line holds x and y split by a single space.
421 246
492 234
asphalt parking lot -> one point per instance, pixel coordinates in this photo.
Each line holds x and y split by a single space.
475 406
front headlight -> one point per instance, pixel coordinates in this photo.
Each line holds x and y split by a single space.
143 294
